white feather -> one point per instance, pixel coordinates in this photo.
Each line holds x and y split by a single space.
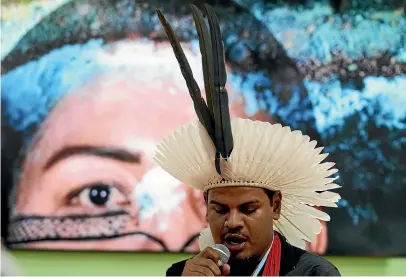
265 155
206 239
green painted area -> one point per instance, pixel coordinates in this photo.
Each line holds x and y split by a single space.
55 263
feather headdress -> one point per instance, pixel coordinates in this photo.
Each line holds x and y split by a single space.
218 152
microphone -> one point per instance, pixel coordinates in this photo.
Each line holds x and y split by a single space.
223 251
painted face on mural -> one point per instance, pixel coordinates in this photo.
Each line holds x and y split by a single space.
92 158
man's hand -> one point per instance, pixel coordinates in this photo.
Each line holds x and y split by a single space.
206 263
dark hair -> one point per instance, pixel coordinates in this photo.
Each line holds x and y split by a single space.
269 193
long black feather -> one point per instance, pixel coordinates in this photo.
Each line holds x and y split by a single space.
201 108
222 122
207 55
215 116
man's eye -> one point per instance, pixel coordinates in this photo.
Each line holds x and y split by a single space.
249 210
220 211
98 196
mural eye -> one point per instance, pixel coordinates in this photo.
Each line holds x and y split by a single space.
99 195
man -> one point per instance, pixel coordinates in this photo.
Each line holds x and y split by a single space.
240 218
260 180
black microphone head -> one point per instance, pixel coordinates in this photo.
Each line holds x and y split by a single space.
224 252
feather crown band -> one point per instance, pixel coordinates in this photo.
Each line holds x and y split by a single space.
218 152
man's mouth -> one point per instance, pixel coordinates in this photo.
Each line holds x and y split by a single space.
234 242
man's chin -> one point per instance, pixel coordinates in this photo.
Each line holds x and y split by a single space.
241 256
243 266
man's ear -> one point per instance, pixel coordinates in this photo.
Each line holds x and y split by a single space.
276 204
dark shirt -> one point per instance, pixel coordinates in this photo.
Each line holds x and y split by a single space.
294 262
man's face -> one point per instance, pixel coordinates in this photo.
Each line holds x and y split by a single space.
241 218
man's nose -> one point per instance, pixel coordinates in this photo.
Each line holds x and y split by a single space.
234 220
